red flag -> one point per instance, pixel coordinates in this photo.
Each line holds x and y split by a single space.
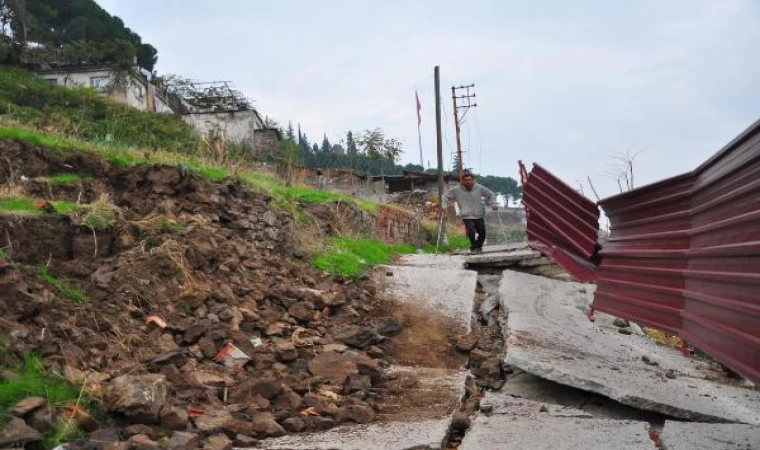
419 108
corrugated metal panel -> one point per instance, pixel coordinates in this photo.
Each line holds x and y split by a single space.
722 299
684 255
642 273
562 223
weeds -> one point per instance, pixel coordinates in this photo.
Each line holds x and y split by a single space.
98 215
70 292
5 254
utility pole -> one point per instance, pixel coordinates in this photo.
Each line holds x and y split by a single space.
465 106
439 133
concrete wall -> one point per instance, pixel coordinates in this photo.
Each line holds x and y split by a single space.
236 126
135 93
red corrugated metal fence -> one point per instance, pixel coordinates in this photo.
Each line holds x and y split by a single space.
683 254
562 223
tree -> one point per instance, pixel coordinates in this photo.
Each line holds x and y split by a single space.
289 134
59 24
15 20
504 185
351 144
414 168
326 147
315 148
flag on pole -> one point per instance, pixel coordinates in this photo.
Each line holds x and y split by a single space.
419 108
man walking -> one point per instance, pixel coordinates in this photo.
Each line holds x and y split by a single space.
469 196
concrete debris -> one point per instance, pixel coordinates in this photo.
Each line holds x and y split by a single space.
551 337
704 436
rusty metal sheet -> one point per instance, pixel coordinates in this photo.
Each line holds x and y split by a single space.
684 255
562 223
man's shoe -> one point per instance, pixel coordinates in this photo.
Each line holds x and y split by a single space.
476 251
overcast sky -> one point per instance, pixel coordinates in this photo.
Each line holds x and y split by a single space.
565 84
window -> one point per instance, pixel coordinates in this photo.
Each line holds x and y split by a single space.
100 83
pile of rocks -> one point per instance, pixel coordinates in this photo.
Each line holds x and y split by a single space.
204 325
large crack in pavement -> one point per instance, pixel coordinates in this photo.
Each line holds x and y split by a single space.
451 386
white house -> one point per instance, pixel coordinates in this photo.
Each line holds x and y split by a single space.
133 88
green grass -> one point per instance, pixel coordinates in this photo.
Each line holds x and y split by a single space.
85 114
70 292
65 178
258 181
455 243
30 379
338 262
26 206
316 196
212 173
34 381
43 140
17 205
63 207
351 257
5 254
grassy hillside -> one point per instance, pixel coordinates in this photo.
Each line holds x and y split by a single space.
84 114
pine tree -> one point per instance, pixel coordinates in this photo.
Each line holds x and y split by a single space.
326 147
351 144
290 134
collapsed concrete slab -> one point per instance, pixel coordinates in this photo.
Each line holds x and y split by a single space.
439 283
527 425
523 385
391 436
550 336
703 436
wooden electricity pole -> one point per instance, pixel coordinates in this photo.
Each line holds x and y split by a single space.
465 106
439 133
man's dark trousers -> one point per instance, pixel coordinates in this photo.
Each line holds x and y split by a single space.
476 227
